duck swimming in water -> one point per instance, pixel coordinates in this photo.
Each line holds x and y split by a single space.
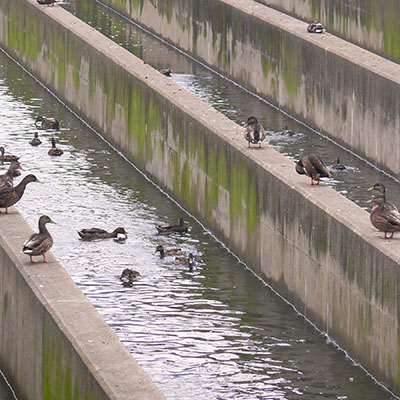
35 141
46 123
337 165
7 179
286 131
54 151
8 157
128 276
96 233
181 227
312 166
189 261
167 252
11 195
254 132
40 243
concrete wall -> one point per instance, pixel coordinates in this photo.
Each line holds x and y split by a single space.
314 246
332 85
53 343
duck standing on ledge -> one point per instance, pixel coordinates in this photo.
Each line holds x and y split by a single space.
167 252
312 166
46 2
46 123
166 71
181 227
39 243
96 233
54 151
315 27
384 218
7 179
35 141
10 196
254 132
8 157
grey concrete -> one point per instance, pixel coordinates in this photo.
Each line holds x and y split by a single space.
334 86
314 246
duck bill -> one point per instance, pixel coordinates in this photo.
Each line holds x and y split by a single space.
371 188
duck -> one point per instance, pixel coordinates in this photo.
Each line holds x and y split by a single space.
166 71
167 252
337 165
8 157
44 122
46 2
96 233
286 131
54 151
254 132
181 227
312 166
381 189
35 141
40 243
11 195
7 179
128 276
315 27
384 219
189 261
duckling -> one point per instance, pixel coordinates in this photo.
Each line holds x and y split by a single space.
40 243
35 141
128 276
96 233
254 132
47 2
181 227
46 123
7 179
167 252
166 71
337 165
8 157
384 219
382 191
286 131
54 151
315 27
11 195
312 166
189 261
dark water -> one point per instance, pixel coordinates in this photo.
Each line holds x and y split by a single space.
236 103
215 333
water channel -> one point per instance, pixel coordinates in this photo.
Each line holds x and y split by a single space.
215 333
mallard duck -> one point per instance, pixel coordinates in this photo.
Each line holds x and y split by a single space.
35 141
46 123
385 219
312 166
315 27
379 187
11 195
337 165
8 157
39 243
181 227
128 276
54 151
286 131
167 252
7 179
189 261
46 2
96 233
254 132
166 71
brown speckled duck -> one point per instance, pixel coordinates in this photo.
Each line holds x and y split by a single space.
40 243
7 179
312 166
35 141
315 27
189 261
181 227
97 233
8 157
54 151
167 252
380 188
128 276
254 132
11 195
384 218
46 123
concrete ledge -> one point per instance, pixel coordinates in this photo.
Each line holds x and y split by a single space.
340 89
313 245
53 343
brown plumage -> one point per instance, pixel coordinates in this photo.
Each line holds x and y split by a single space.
254 132
312 166
315 27
168 252
35 141
7 179
385 219
8 157
11 195
189 261
46 123
96 233
337 165
380 188
181 227
54 151
40 243
287 131
128 276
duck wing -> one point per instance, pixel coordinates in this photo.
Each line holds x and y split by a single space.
318 166
37 244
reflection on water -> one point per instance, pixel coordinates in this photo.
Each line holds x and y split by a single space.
214 333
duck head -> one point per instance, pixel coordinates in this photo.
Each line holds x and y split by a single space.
251 121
